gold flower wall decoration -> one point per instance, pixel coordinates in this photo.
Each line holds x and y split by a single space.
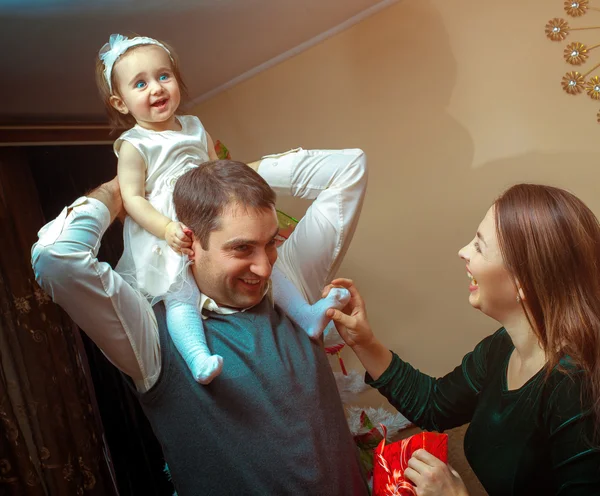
572 83
576 8
557 29
576 53
593 88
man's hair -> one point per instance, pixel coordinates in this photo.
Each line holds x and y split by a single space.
116 119
203 193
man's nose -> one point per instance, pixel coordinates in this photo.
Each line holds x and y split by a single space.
261 265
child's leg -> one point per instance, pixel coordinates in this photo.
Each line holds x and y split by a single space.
187 332
311 318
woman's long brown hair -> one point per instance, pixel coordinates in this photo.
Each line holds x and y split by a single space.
550 242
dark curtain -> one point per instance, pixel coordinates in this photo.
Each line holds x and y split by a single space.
51 442
61 174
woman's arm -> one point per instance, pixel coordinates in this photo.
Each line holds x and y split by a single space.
430 403
575 455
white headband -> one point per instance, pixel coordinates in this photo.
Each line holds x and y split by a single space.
117 46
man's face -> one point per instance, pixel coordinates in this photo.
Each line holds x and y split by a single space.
236 268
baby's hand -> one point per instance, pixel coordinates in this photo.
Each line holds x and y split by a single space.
178 237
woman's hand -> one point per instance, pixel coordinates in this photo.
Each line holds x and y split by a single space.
352 323
354 328
179 237
433 477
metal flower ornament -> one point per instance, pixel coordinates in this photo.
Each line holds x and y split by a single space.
576 53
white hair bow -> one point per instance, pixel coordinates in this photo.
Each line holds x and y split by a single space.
117 46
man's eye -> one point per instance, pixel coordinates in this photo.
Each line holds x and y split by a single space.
241 248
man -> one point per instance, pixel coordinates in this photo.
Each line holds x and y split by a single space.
272 422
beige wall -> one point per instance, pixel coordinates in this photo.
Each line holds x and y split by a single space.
452 101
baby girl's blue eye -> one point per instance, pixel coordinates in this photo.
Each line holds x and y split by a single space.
140 84
163 77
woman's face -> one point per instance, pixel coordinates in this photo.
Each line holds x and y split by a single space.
492 289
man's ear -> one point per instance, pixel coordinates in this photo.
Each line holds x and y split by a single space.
118 104
196 245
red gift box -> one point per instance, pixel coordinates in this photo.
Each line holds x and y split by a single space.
390 462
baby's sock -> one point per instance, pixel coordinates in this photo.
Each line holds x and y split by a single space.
312 318
184 322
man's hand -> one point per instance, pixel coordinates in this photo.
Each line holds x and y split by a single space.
110 194
179 237
433 477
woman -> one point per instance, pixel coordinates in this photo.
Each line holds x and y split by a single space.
531 391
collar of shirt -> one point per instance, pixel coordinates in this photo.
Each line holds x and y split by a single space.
209 304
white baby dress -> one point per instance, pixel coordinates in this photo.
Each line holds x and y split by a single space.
148 263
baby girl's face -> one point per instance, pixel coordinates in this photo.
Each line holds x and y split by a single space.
147 87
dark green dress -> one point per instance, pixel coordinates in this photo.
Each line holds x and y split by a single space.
534 440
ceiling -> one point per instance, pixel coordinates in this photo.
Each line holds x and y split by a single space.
49 46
